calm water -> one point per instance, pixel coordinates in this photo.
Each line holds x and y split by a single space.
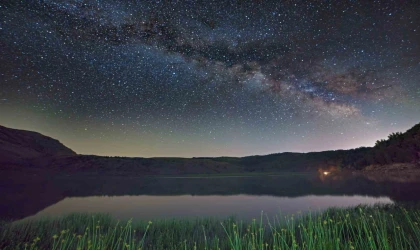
152 198
242 206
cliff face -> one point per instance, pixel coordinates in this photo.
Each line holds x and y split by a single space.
20 147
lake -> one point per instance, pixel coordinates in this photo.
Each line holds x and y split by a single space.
151 198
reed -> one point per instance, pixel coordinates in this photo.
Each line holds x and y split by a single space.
377 227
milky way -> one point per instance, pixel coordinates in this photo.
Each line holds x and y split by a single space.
207 78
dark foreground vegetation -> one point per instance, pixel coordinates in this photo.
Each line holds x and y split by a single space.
379 227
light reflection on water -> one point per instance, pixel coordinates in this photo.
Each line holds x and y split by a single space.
150 198
246 207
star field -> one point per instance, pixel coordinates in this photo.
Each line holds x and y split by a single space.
210 78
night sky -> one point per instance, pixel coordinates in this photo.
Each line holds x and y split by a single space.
210 78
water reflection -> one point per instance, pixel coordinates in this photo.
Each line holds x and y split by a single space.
23 197
187 206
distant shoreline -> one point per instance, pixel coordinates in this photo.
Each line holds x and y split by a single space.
398 172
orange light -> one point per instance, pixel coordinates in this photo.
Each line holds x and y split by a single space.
326 173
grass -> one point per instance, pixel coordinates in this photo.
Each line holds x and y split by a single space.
378 227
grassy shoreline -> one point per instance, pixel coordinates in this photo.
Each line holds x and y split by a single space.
378 227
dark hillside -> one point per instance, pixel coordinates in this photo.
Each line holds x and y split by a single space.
29 149
20 147
398 148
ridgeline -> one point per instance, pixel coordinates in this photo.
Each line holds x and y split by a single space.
32 152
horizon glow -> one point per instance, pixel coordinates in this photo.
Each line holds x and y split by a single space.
209 78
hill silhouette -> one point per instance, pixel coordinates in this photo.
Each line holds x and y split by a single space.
30 150
21 147
398 148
